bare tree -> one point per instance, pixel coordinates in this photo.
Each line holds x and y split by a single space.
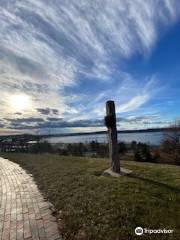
171 142
173 132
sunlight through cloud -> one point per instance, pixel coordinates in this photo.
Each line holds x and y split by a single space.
19 102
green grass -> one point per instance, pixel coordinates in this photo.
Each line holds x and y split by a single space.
95 207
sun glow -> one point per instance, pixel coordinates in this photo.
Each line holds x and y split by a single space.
20 102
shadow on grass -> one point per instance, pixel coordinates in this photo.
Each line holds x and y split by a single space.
153 182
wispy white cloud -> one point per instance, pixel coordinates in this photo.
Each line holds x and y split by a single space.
133 104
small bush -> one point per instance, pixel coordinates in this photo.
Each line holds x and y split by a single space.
41 147
143 153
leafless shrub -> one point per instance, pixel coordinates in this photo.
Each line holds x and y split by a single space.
171 142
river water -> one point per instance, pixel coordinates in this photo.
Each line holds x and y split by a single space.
152 138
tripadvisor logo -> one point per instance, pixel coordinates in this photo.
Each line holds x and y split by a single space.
139 231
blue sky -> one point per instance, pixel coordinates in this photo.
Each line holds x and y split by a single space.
60 61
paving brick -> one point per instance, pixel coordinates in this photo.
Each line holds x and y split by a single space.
24 213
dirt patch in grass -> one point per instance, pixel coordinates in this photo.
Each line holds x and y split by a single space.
94 207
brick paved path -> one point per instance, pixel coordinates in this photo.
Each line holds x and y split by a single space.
24 214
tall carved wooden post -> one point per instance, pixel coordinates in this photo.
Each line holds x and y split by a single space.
110 121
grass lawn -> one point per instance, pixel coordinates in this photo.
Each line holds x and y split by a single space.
95 207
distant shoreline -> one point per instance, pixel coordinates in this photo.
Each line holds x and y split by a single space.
104 132
83 133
